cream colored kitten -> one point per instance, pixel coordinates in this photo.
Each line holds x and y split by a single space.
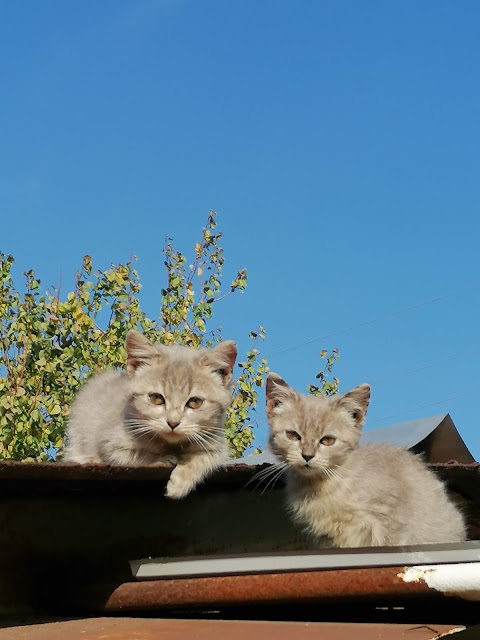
168 407
373 495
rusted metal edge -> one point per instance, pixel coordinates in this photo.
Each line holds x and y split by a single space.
64 474
68 471
264 589
151 629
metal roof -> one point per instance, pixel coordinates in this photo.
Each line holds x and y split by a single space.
439 554
436 437
68 533
123 628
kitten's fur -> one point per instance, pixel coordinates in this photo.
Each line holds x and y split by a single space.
374 495
141 416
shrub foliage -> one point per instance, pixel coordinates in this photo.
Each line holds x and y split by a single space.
51 342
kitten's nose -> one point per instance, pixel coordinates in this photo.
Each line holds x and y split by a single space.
306 457
173 423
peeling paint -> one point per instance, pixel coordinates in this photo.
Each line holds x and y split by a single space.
449 633
460 580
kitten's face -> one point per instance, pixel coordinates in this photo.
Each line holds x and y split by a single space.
178 394
314 434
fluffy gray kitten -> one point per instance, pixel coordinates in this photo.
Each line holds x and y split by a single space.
168 407
373 495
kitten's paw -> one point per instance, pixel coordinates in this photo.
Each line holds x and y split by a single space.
178 486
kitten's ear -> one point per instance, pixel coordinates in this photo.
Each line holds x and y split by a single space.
222 359
139 351
277 391
356 401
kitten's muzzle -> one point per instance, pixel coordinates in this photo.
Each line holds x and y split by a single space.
307 457
173 423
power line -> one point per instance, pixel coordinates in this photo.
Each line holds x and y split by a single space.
383 316
425 406
407 372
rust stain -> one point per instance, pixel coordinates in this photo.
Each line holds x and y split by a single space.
261 589
12 470
152 629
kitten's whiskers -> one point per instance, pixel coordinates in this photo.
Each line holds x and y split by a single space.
201 441
270 474
274 478
139 427
332 473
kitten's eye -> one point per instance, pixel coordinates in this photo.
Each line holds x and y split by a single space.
156 398
194 403
328 441
293 435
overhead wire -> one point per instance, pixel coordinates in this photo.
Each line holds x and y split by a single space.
385 316
398 374
424 406
378 318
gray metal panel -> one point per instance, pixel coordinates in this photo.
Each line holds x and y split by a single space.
310 561
405 435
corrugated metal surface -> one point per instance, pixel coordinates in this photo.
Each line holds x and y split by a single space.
148 629
347 584
61 477
65 526
68 532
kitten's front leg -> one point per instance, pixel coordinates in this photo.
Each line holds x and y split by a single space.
360 533
192 469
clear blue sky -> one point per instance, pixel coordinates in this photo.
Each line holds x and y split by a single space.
339 142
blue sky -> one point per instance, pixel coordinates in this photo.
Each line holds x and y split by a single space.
338 141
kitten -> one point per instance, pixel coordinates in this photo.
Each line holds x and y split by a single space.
373 495
168 407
